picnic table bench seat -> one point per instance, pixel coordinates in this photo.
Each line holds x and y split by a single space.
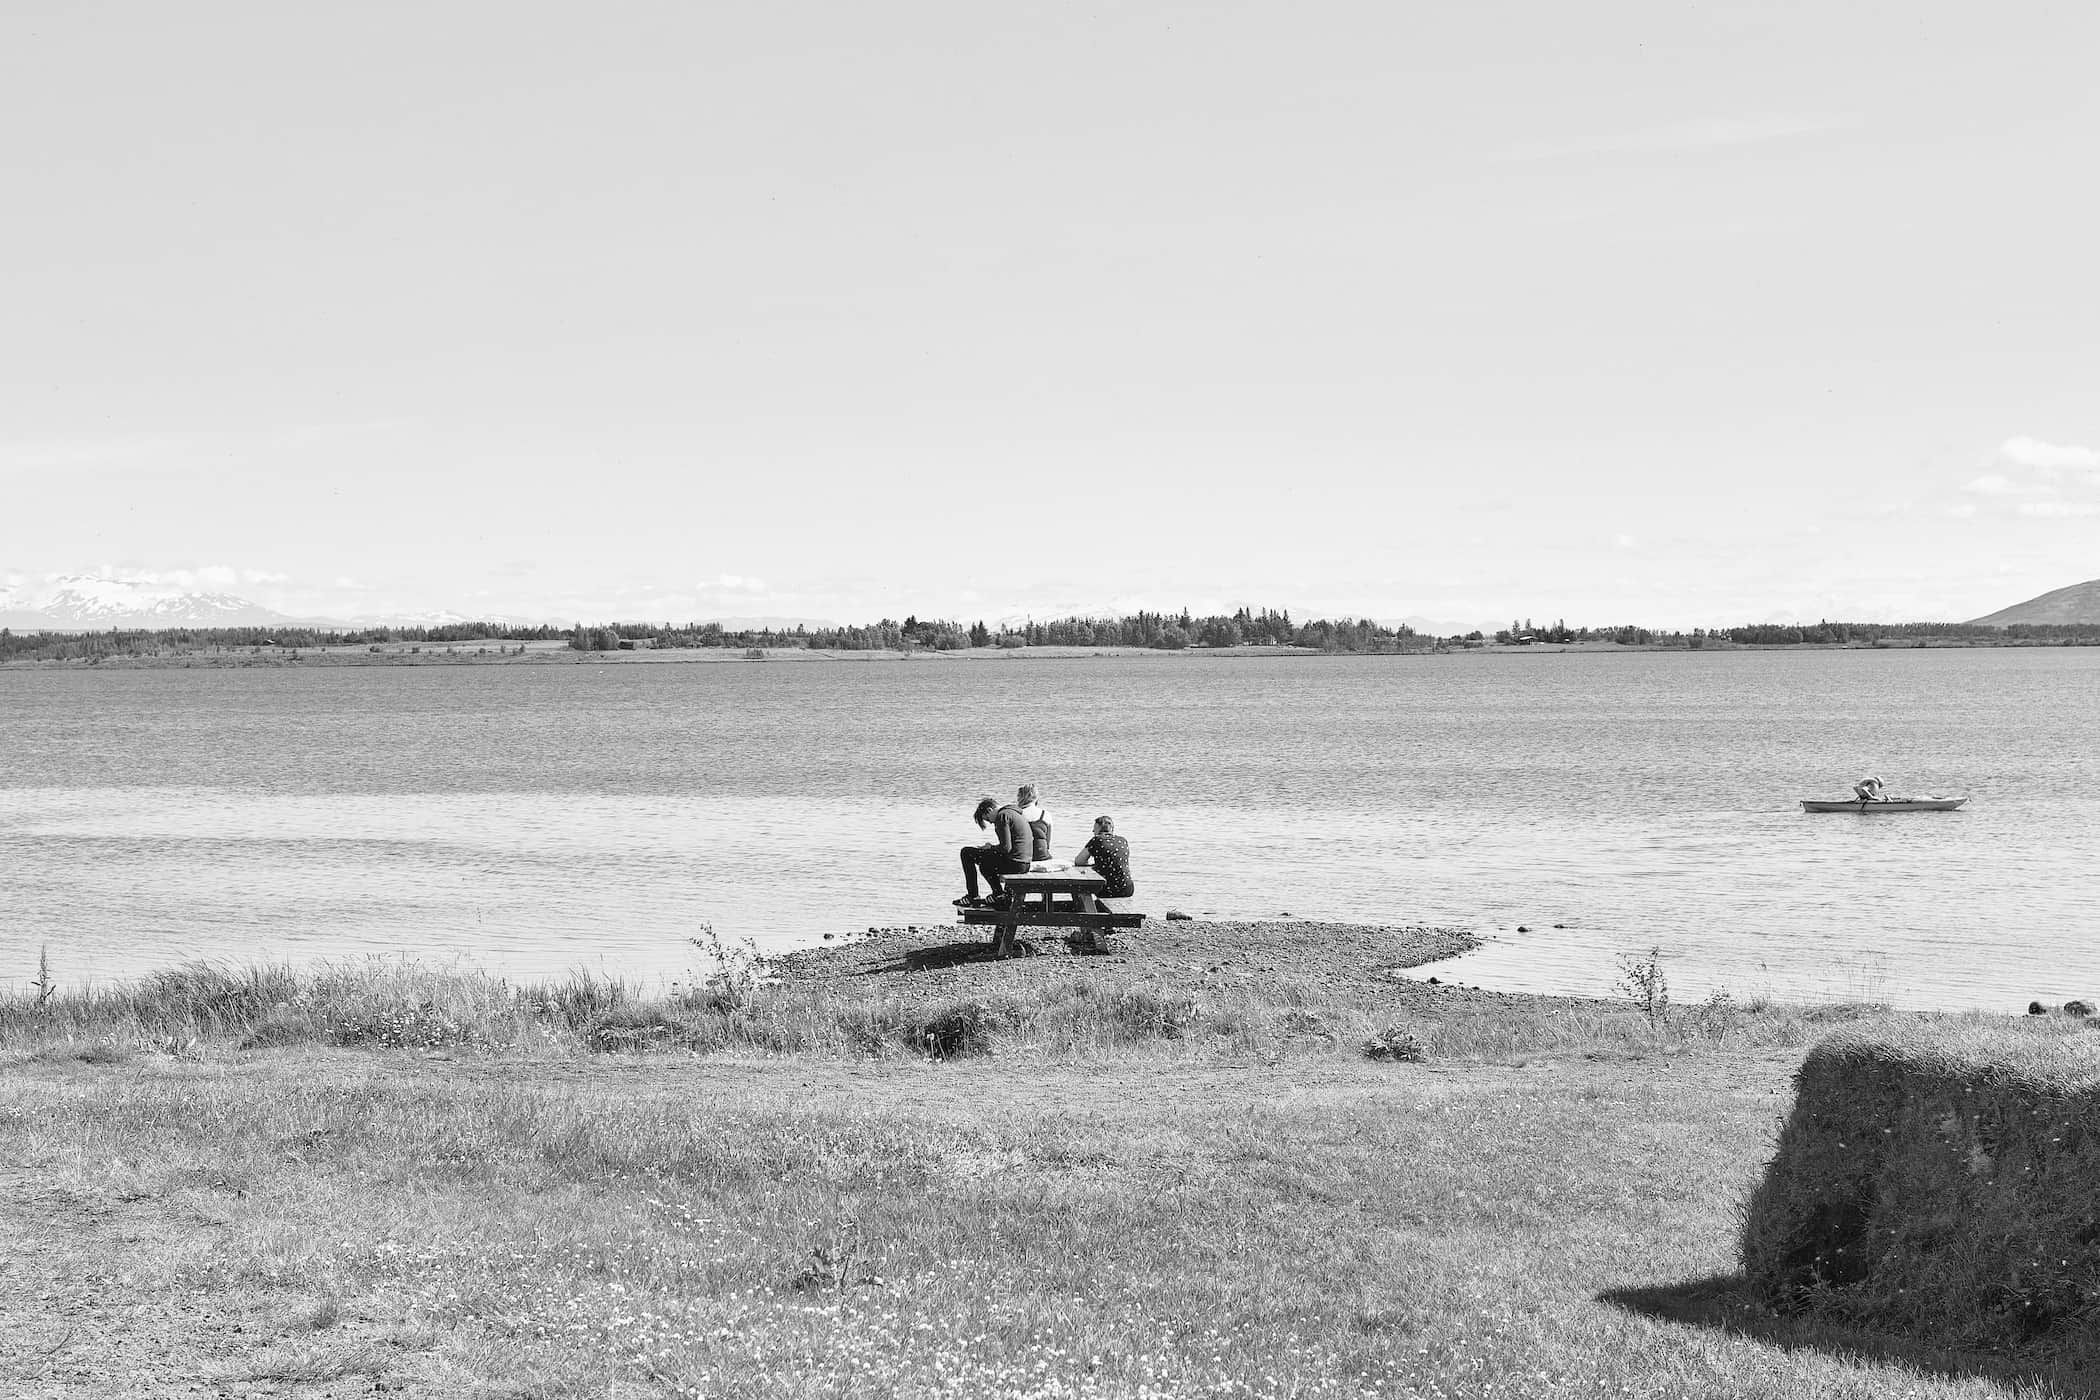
1078 911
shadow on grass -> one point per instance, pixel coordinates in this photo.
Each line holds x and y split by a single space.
1724 1303
966 950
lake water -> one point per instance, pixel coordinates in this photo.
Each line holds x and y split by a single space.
536 817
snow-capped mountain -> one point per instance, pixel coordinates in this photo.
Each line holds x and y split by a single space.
83 603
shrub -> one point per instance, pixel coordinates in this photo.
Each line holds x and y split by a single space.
281 1028
629 1028
1297 1022
206 996
1940 1179
1642 982
736 970
413 1028
637 1027
1135 1014
43 985
1083 1015
957 1029
1396 1043
578 998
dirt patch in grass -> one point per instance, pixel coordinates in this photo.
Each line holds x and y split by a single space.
87 1310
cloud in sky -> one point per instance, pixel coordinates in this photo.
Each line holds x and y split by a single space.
2036 480
89 451
2048 456
202 578
348 596
1993 484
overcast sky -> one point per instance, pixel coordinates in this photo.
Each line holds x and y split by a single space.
1619 311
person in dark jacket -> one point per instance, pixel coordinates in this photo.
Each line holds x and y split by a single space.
1109 856
1008 854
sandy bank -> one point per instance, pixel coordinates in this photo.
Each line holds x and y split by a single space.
1353 965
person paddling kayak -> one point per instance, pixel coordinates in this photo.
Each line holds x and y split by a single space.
1868 790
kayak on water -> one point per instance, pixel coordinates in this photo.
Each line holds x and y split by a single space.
1883 804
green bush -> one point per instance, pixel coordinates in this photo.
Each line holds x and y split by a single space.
957 1029
403 1028
579 998
281 1028
1942 1179
204 995
1396 1043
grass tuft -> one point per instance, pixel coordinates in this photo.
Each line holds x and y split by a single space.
1396 1043
324 1314
101 1052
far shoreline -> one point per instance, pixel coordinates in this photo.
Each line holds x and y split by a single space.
560 653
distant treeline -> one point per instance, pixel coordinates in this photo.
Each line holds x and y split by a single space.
176 641
1775 634
1159 631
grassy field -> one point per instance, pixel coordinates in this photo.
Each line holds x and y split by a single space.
1070 1178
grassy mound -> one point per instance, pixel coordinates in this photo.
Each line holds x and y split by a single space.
1192 990
1056 1008
1941 1178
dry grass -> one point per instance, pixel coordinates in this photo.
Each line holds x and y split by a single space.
977 1228
390 1004
1088 1187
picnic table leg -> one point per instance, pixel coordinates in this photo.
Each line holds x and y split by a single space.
1087 937
1010 931
1003 938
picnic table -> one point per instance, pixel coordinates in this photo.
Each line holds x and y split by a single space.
1079 910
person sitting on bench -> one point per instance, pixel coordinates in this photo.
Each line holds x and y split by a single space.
1007 854
1038 827
1109 856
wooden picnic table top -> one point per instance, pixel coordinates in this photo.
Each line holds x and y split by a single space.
1030 917
1074 881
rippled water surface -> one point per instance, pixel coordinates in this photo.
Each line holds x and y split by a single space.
532 817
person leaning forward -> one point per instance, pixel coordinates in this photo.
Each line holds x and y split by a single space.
1007 854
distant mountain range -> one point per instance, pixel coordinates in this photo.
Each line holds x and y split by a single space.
2080 603
85 604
